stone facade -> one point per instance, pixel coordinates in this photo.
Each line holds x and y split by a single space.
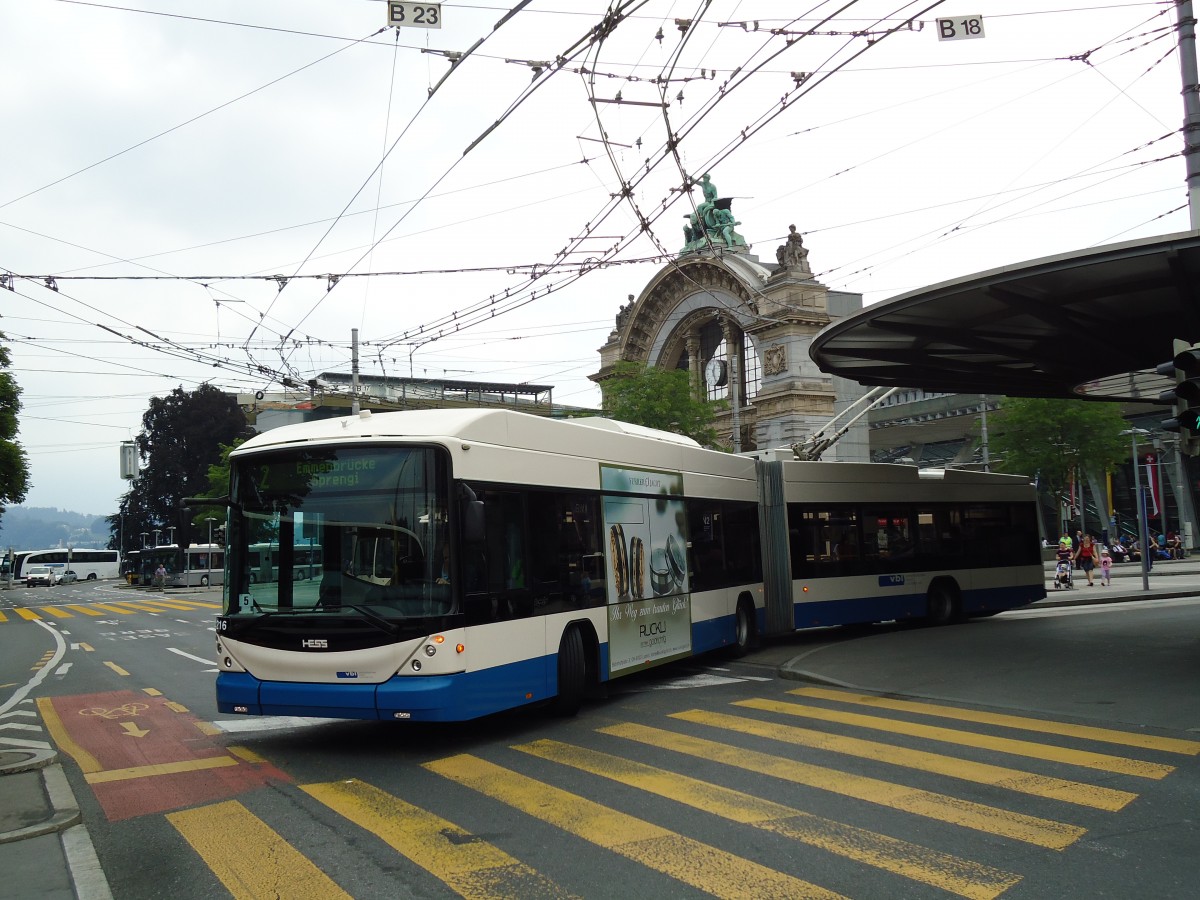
742 331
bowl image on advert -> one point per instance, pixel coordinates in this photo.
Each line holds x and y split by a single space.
661 579
675 560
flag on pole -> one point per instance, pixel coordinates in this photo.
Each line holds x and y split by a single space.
1152 482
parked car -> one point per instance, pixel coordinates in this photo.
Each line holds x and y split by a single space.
39 575
67 577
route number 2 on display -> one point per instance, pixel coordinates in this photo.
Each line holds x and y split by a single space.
960 28
415 15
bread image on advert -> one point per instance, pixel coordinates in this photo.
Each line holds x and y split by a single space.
637 567
620 561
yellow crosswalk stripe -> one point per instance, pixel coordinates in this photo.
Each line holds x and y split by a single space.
83 609
470 866
1066 729
56 612
112 607
702 866
949 873
1076 792
259 862
1083 758
28 614
199 603
139 606
966 813
166 604
3 617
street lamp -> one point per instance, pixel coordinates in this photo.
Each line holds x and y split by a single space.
209 520
1139 500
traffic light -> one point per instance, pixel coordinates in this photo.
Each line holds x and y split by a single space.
1185 396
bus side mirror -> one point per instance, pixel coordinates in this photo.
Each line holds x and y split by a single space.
474 529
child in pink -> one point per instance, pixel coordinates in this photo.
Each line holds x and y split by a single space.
1105 568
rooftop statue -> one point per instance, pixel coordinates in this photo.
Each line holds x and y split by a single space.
712 224
793 254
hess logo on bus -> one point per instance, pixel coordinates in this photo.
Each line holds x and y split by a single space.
314 644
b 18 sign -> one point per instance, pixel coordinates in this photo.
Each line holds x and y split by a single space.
960 28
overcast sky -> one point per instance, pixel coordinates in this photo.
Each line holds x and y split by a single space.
226 143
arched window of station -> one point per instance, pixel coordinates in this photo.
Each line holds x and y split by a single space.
713 363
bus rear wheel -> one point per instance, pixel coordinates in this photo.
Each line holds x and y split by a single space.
743 630
91 576
203 581
940 605
572 674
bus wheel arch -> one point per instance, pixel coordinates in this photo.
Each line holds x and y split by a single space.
91 576
203 581
745 627
943 602
577 664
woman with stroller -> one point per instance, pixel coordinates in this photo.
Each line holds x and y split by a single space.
1087 556
1062 569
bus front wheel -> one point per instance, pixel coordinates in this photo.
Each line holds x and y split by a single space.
203 581
572 673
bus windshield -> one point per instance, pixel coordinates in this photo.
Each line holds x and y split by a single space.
341 531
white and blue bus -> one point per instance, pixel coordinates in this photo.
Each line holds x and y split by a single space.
199 565
473 561
88 565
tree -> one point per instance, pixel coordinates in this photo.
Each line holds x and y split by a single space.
183 434
659 398
14 464
218 485
1053 439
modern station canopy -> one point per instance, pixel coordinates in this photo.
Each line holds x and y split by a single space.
1091 325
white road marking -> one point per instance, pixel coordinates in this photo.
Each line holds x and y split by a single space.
269 723
199 659
60 649
23 744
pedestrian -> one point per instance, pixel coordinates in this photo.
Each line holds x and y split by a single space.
1105 568
1086 556
160 577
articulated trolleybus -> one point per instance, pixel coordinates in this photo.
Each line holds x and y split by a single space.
479 560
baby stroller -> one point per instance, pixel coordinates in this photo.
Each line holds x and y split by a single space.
1062 575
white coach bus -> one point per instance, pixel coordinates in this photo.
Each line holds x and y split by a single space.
478 560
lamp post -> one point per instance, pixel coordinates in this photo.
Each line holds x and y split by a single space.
1139 500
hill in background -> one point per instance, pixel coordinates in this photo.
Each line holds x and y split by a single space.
41 528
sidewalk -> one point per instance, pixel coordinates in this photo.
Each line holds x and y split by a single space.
1168 578
45 851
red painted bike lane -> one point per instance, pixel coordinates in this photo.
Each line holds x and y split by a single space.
143 754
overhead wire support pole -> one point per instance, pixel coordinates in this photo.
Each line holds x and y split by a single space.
1191 106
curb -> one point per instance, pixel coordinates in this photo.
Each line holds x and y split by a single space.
34 759
64 812
87 876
